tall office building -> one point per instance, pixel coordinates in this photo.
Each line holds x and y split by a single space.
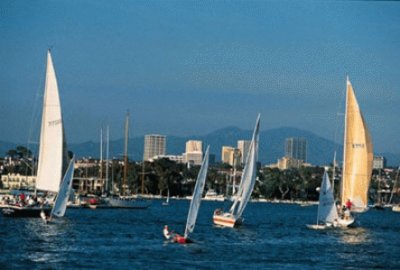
154 145
296 148
194 152
243 147
230 155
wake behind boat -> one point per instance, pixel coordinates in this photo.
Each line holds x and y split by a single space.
234 218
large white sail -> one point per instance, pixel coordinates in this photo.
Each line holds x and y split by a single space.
197 193
327 212
357 155
60 205
249 175
52 151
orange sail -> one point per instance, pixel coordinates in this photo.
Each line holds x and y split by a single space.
357 155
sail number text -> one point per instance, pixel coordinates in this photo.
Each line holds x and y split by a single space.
54 123
358 145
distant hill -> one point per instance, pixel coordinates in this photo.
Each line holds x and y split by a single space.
319 150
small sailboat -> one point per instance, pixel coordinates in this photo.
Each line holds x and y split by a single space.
357 157
60 203
233 217
125 199
166 203
327 213
53 154
194 205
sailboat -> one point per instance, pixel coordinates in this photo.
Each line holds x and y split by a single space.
327 213
53 154
357 170
124 199
166 203
60 203
194 205
357 157
233 217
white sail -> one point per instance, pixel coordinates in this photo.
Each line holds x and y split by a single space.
197 193
249 175
327 212
52 151
60 204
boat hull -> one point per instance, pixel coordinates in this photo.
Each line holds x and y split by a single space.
129 203
24 211
226 220
396 208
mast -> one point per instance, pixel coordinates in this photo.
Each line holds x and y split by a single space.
107 155
126 151
142 178
333 173
344 140
101 155
394 185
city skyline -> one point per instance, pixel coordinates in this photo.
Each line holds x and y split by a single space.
191 68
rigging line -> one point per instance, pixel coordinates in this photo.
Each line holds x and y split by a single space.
35 116
339 114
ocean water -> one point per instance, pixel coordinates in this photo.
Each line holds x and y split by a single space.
273 236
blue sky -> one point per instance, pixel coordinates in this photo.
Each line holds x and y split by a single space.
191 67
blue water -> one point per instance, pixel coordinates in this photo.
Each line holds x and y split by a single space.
274 236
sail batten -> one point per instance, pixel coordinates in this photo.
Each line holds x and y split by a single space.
52 151
357 155
197 193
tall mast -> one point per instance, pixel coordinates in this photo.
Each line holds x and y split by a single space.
345 139
107 155
126 151
333 174
142 178
101 155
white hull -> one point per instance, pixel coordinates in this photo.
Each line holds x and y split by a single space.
129 202
218 198
316 226
396 208
345 222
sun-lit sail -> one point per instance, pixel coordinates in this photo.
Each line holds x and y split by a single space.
60 204
197 194
52 151
358 155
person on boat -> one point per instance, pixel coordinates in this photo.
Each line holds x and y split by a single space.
174 237
45 218
166 233
348 204
21 199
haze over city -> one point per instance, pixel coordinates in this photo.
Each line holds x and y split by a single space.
191 67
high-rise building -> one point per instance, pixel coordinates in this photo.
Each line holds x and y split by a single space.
296 148
154 145
379 162
194 152
243 147
230 155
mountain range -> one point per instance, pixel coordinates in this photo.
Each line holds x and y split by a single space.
319 150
